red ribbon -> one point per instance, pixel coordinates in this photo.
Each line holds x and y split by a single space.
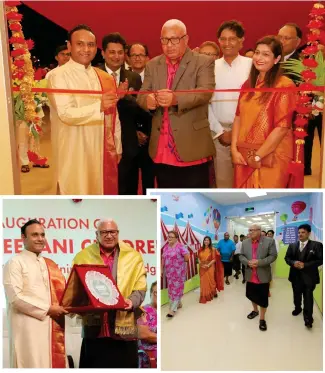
91 92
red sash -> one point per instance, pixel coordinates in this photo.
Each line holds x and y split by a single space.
110 170
219 272
57 286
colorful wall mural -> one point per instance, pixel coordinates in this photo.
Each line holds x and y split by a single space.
194 216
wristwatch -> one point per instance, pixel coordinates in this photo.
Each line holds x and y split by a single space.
257 158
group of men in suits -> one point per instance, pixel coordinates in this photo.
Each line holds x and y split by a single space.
304 257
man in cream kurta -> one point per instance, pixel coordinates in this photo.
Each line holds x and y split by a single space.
77 120
29 310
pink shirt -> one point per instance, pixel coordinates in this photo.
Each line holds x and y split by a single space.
255 278
109 261
167 152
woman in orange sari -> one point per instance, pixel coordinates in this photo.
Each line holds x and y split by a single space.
262 135
211 271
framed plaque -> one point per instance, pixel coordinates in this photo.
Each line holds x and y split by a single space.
91 288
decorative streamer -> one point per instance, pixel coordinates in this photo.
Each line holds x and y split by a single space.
23 79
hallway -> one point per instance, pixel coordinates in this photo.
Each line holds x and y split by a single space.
218 336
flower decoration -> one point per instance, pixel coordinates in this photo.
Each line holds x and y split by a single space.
310 72
27 104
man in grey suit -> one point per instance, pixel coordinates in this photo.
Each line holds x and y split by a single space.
180 143
257 253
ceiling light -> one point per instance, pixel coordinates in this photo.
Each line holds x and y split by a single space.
255 193
248 221
242 218
257 218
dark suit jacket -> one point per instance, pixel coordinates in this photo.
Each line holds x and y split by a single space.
313 258
189 119
128 111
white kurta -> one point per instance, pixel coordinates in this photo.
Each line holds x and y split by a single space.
26 284
77 130
223 105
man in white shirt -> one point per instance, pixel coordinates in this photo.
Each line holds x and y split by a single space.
236 257
85 163
290 37
139 56
231 71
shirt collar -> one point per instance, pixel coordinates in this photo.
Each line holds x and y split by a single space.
257 240
78 66
102 251
234 62
31 254
289 55
178 61
117 72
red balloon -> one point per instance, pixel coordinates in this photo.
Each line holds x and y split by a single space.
298 207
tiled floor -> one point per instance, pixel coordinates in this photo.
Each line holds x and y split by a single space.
218 335
41 181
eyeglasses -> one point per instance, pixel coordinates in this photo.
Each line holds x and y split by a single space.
174 41
286 38
171 237
253 230
233 39
138 55
107 233
210 54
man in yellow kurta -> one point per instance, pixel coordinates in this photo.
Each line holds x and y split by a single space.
110 338
86 131
33 286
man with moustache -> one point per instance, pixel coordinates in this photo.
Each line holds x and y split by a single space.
304 257
139 56
180 142
86 132
110 338
257 253
231 71
34 286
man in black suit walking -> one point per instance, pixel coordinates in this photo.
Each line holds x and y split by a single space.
304 258
113 51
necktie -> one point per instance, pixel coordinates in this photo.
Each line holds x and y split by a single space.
114 75
302 245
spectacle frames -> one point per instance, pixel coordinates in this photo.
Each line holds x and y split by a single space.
107 233
210 54
174 41
253 230
287 38
138 55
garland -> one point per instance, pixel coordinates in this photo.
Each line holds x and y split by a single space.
311 71
27 104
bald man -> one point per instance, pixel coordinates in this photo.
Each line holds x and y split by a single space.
109 339
180 144
257 253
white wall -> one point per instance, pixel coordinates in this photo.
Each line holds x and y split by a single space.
137 221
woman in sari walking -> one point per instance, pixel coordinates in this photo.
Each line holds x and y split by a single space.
174 260
262 137
211 271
